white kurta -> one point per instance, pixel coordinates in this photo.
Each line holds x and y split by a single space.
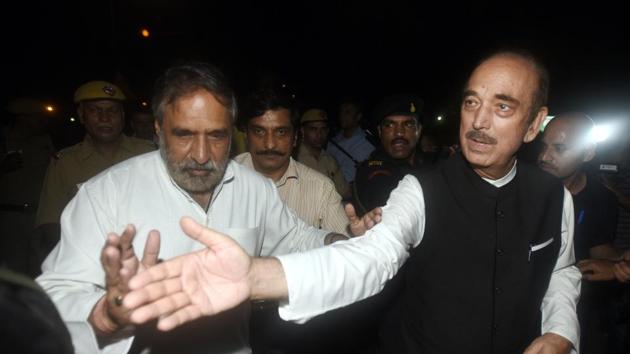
140 191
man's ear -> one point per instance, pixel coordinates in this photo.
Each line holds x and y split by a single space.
534 126
589 153
157 127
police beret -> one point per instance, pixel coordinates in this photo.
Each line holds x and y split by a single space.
314 115
402 104
98 90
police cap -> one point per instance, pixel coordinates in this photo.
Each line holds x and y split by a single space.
314 115
98 90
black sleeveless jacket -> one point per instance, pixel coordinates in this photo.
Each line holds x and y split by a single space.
474 285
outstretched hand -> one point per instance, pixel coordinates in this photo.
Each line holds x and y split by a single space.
359 225
196 284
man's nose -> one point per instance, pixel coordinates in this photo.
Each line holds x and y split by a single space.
482 118
200 150
269 141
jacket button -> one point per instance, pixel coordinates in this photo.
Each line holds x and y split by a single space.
499 251
500 214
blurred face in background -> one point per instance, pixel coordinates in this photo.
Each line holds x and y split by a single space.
103 119
315 134
142 124
349 116
564 148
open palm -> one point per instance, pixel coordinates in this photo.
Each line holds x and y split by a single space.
201 283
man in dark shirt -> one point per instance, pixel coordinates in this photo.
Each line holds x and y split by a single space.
399 128
566 149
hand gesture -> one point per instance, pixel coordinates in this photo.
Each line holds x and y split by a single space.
358 226
200 283
120 263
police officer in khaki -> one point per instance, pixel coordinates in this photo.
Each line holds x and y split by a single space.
100 110
312 150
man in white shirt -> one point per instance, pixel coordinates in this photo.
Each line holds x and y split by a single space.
190 176
270 121
350 146
507 244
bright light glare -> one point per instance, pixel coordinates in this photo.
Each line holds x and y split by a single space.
72 119
600 133
50 108
145 33
545 122
439 118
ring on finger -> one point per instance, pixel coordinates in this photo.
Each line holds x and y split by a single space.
118 300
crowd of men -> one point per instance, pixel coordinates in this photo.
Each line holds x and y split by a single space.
181 240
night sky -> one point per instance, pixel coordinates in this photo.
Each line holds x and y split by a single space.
322 51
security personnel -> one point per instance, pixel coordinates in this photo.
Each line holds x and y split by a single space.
100 110
399 127
25 151
312 150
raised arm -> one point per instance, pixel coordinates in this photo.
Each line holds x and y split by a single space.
223 275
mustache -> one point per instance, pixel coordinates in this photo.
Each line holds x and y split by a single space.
481 137
192 165
269 152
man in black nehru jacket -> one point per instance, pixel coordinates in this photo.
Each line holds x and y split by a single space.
489 242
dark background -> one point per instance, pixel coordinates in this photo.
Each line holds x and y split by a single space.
321 51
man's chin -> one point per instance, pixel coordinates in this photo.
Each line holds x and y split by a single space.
477 159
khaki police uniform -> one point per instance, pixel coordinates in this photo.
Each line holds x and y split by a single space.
323 163
75 165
